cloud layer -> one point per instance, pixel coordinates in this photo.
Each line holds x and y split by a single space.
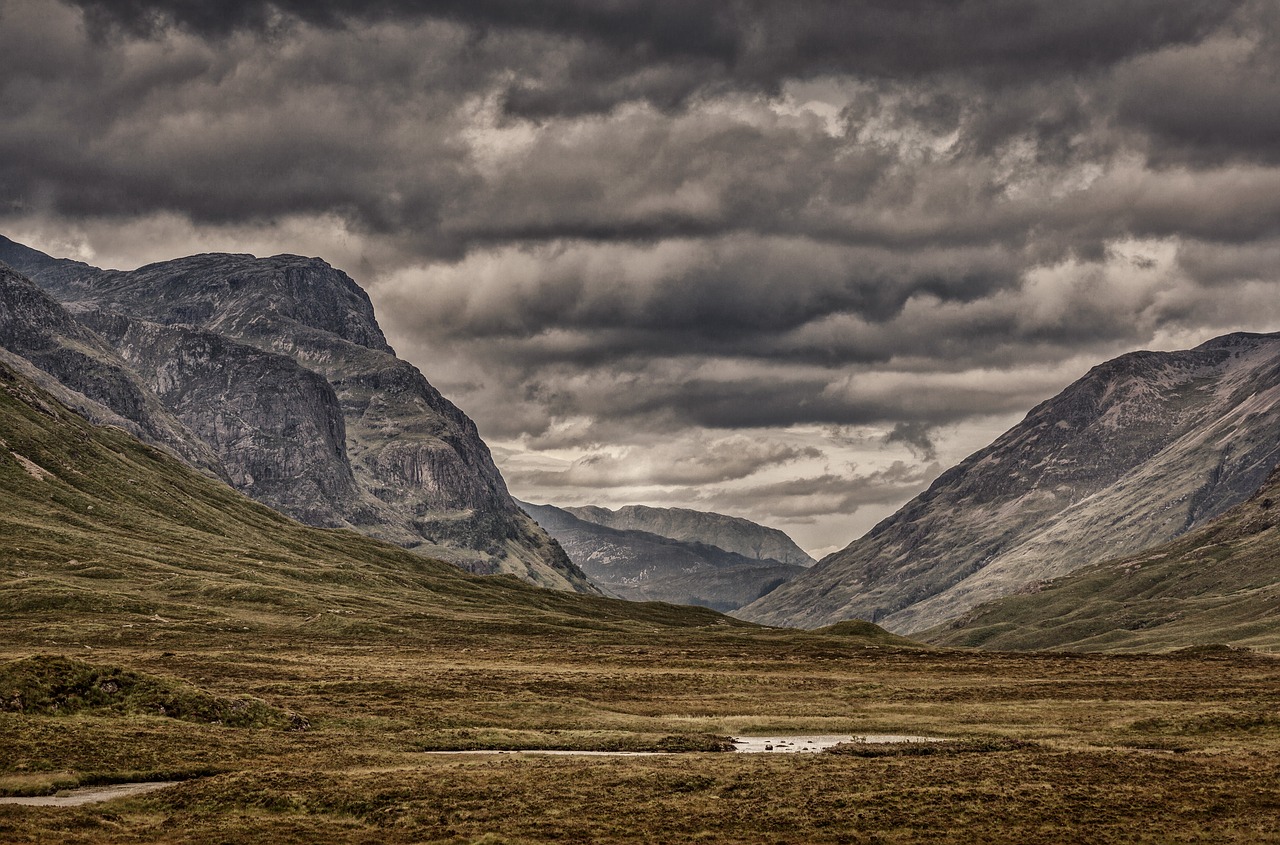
777 259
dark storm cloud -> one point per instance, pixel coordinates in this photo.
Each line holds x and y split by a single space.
762 38
229 134
606 226
736 295
337 115
1207 102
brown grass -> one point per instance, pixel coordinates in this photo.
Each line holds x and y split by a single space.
1119 749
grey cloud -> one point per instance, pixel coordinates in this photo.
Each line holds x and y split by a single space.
695 462
1205 103
666 397
732 295
598 223
917 436
828 494
760 38
341 121
1222 266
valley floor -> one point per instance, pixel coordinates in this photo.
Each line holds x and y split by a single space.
1052 748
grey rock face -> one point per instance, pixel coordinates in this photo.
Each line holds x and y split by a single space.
279 367
731 533
285 446
86 373
1139 451
642 566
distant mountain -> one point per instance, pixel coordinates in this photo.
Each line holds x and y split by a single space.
276 372
642 566
1218 584
1139 451
731 533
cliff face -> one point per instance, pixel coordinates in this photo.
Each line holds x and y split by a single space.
85 372
285 446
278 367
642 566
1140 450
731 533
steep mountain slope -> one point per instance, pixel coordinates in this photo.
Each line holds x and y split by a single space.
279 369
88 374
641 566
1140 450
731 533
118 542
1219 584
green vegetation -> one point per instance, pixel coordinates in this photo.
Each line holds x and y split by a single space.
128 582
62 686
1220 584
866 632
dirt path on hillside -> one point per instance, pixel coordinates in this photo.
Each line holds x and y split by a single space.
88 794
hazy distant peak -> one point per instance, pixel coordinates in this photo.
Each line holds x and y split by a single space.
730 533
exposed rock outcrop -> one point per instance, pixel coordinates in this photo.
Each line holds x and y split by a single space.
85 372
1217 584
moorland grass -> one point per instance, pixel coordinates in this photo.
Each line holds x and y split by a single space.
129 582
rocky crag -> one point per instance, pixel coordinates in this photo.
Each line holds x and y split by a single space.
274 374
644 566
1142 449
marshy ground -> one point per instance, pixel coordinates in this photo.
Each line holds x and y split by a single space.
1044 748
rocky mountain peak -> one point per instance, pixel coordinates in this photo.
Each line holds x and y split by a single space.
730 533
277 366
235 293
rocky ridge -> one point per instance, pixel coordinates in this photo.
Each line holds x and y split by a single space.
644 566
731 533
277 369
1139 451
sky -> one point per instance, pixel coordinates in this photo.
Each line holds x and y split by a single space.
785 260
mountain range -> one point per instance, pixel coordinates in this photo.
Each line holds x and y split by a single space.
1141 450
730 533
123 544
652 566
1134 510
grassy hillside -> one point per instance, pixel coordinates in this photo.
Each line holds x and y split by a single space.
1220 584
110 541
